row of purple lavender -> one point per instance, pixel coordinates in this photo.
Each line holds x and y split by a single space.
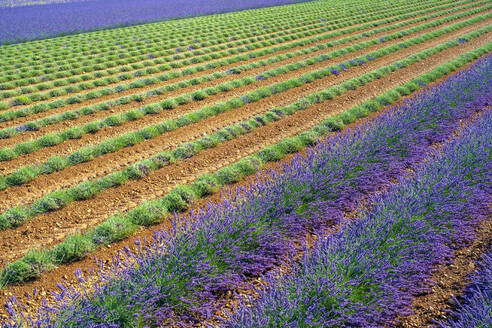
366 275
370 268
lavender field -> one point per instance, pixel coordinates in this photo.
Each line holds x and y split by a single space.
315 164
365 275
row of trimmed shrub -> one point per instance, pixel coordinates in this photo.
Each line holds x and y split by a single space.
184 30
172 58
200 39
56 163
59 199
141 83
367 274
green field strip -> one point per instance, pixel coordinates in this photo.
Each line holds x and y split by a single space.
124 117
42 107
57 163
187 27
116 228
78 75
87 190
27 94
165 49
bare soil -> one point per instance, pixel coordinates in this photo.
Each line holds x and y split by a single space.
450 281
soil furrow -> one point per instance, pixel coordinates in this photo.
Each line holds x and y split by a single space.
70 146
450 281
48 229
25 194
416 320
21 120
173 70
132 70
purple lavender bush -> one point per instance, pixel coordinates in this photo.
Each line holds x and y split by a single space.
183 276
47 20
365 275
475 307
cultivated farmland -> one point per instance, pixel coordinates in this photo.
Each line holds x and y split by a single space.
309 165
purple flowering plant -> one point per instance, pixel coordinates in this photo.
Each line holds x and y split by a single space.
366 274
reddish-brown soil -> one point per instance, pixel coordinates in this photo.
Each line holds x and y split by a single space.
450 281
85 214
129 92
233 299
418 319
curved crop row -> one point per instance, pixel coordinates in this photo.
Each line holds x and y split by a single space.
164 29
42 107
74 18
156 66
159 51
188 31
183 26
60 199
200 39
56 163
182 276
